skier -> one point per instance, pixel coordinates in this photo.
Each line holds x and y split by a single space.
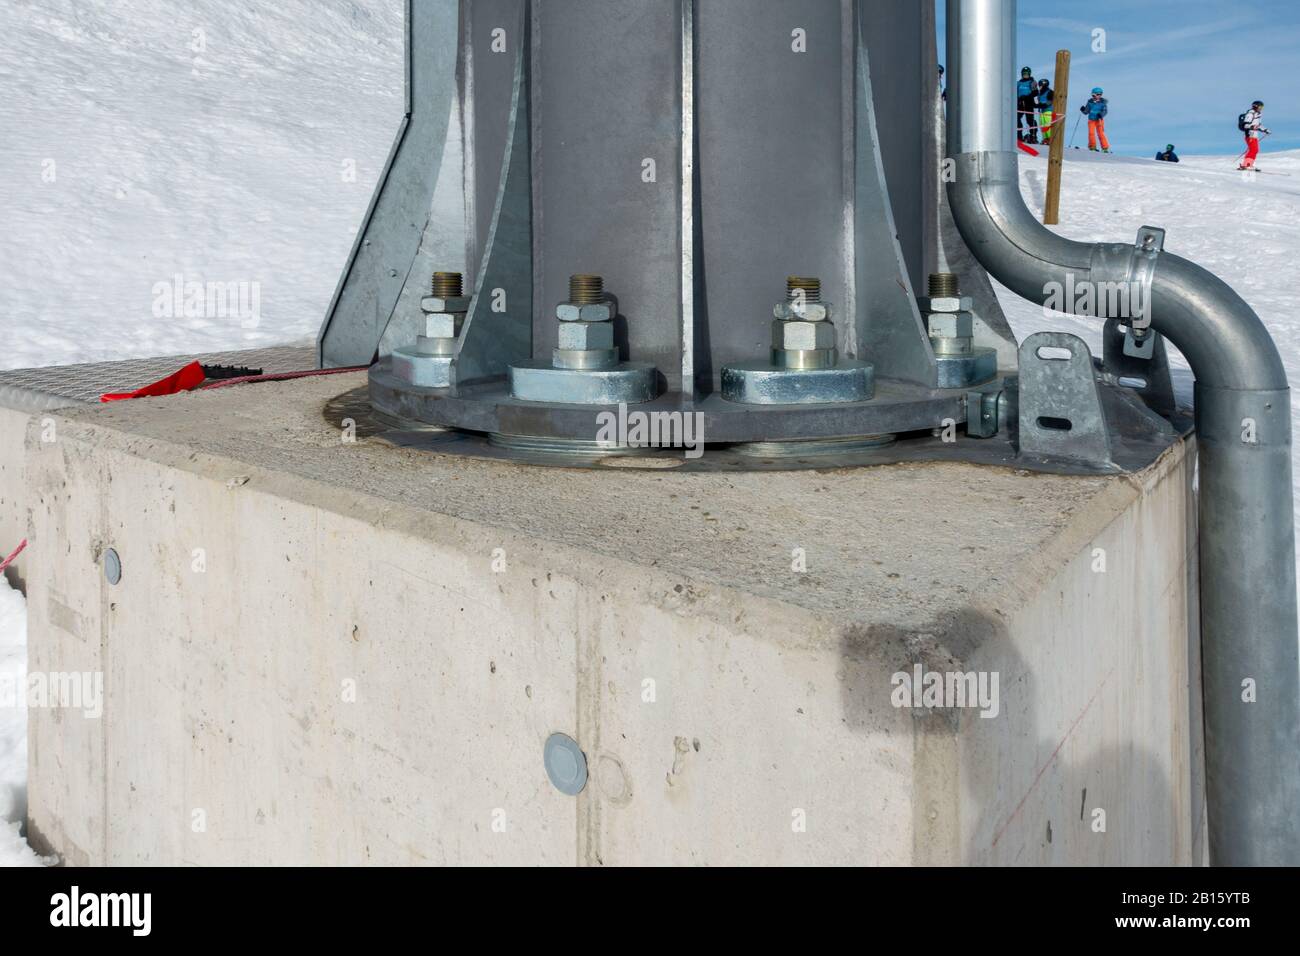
1168 156
1096 109
1250 123
1044 99
1026 106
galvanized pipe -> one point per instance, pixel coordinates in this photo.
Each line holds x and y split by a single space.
1250 659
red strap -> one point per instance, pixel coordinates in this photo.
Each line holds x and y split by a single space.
1027 149
190 377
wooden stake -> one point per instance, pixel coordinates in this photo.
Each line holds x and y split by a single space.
1056 151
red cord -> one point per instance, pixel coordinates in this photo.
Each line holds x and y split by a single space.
10 560
283 376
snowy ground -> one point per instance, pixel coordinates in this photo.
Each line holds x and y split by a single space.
212 139
1246 231
13 730
216 140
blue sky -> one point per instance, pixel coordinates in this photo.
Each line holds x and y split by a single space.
1174 71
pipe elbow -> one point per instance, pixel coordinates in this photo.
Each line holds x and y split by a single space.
1221 337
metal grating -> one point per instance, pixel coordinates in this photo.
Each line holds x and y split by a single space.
39 389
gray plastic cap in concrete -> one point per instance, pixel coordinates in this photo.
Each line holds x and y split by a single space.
112 567
566 764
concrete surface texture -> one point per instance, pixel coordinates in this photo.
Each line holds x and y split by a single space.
324 651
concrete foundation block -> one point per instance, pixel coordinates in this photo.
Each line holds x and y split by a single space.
328 651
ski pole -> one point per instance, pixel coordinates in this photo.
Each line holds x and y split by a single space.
1076 129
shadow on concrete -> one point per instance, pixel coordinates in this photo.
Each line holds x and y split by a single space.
983 794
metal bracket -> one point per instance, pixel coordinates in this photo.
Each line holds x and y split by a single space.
983 411
380 271
1145 371
1139 345
1060 405
492 340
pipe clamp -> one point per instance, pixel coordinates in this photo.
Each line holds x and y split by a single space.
1146 253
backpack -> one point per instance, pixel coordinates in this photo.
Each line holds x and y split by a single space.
1241 123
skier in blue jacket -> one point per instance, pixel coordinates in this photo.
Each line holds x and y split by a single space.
1096 109
1168 156
1027 107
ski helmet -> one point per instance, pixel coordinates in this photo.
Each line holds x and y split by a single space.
1169 147
1042 83
1026 71
1257 104
1096 91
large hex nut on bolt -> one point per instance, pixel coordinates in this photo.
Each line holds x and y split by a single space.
952 325
441 325
802 336
586 335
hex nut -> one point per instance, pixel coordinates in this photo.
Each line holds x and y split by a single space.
803 336
808 312
945 303
432 303
595 312
952 325
441 325
586 335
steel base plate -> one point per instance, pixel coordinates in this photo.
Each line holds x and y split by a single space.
1138 444
488 407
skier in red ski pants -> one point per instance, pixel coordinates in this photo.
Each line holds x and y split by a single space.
1251 122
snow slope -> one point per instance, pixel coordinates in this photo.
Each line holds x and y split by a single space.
206 138
212 139
1247 231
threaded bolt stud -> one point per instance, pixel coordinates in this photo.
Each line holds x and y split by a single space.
448 285
944 285
586 289
805 288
